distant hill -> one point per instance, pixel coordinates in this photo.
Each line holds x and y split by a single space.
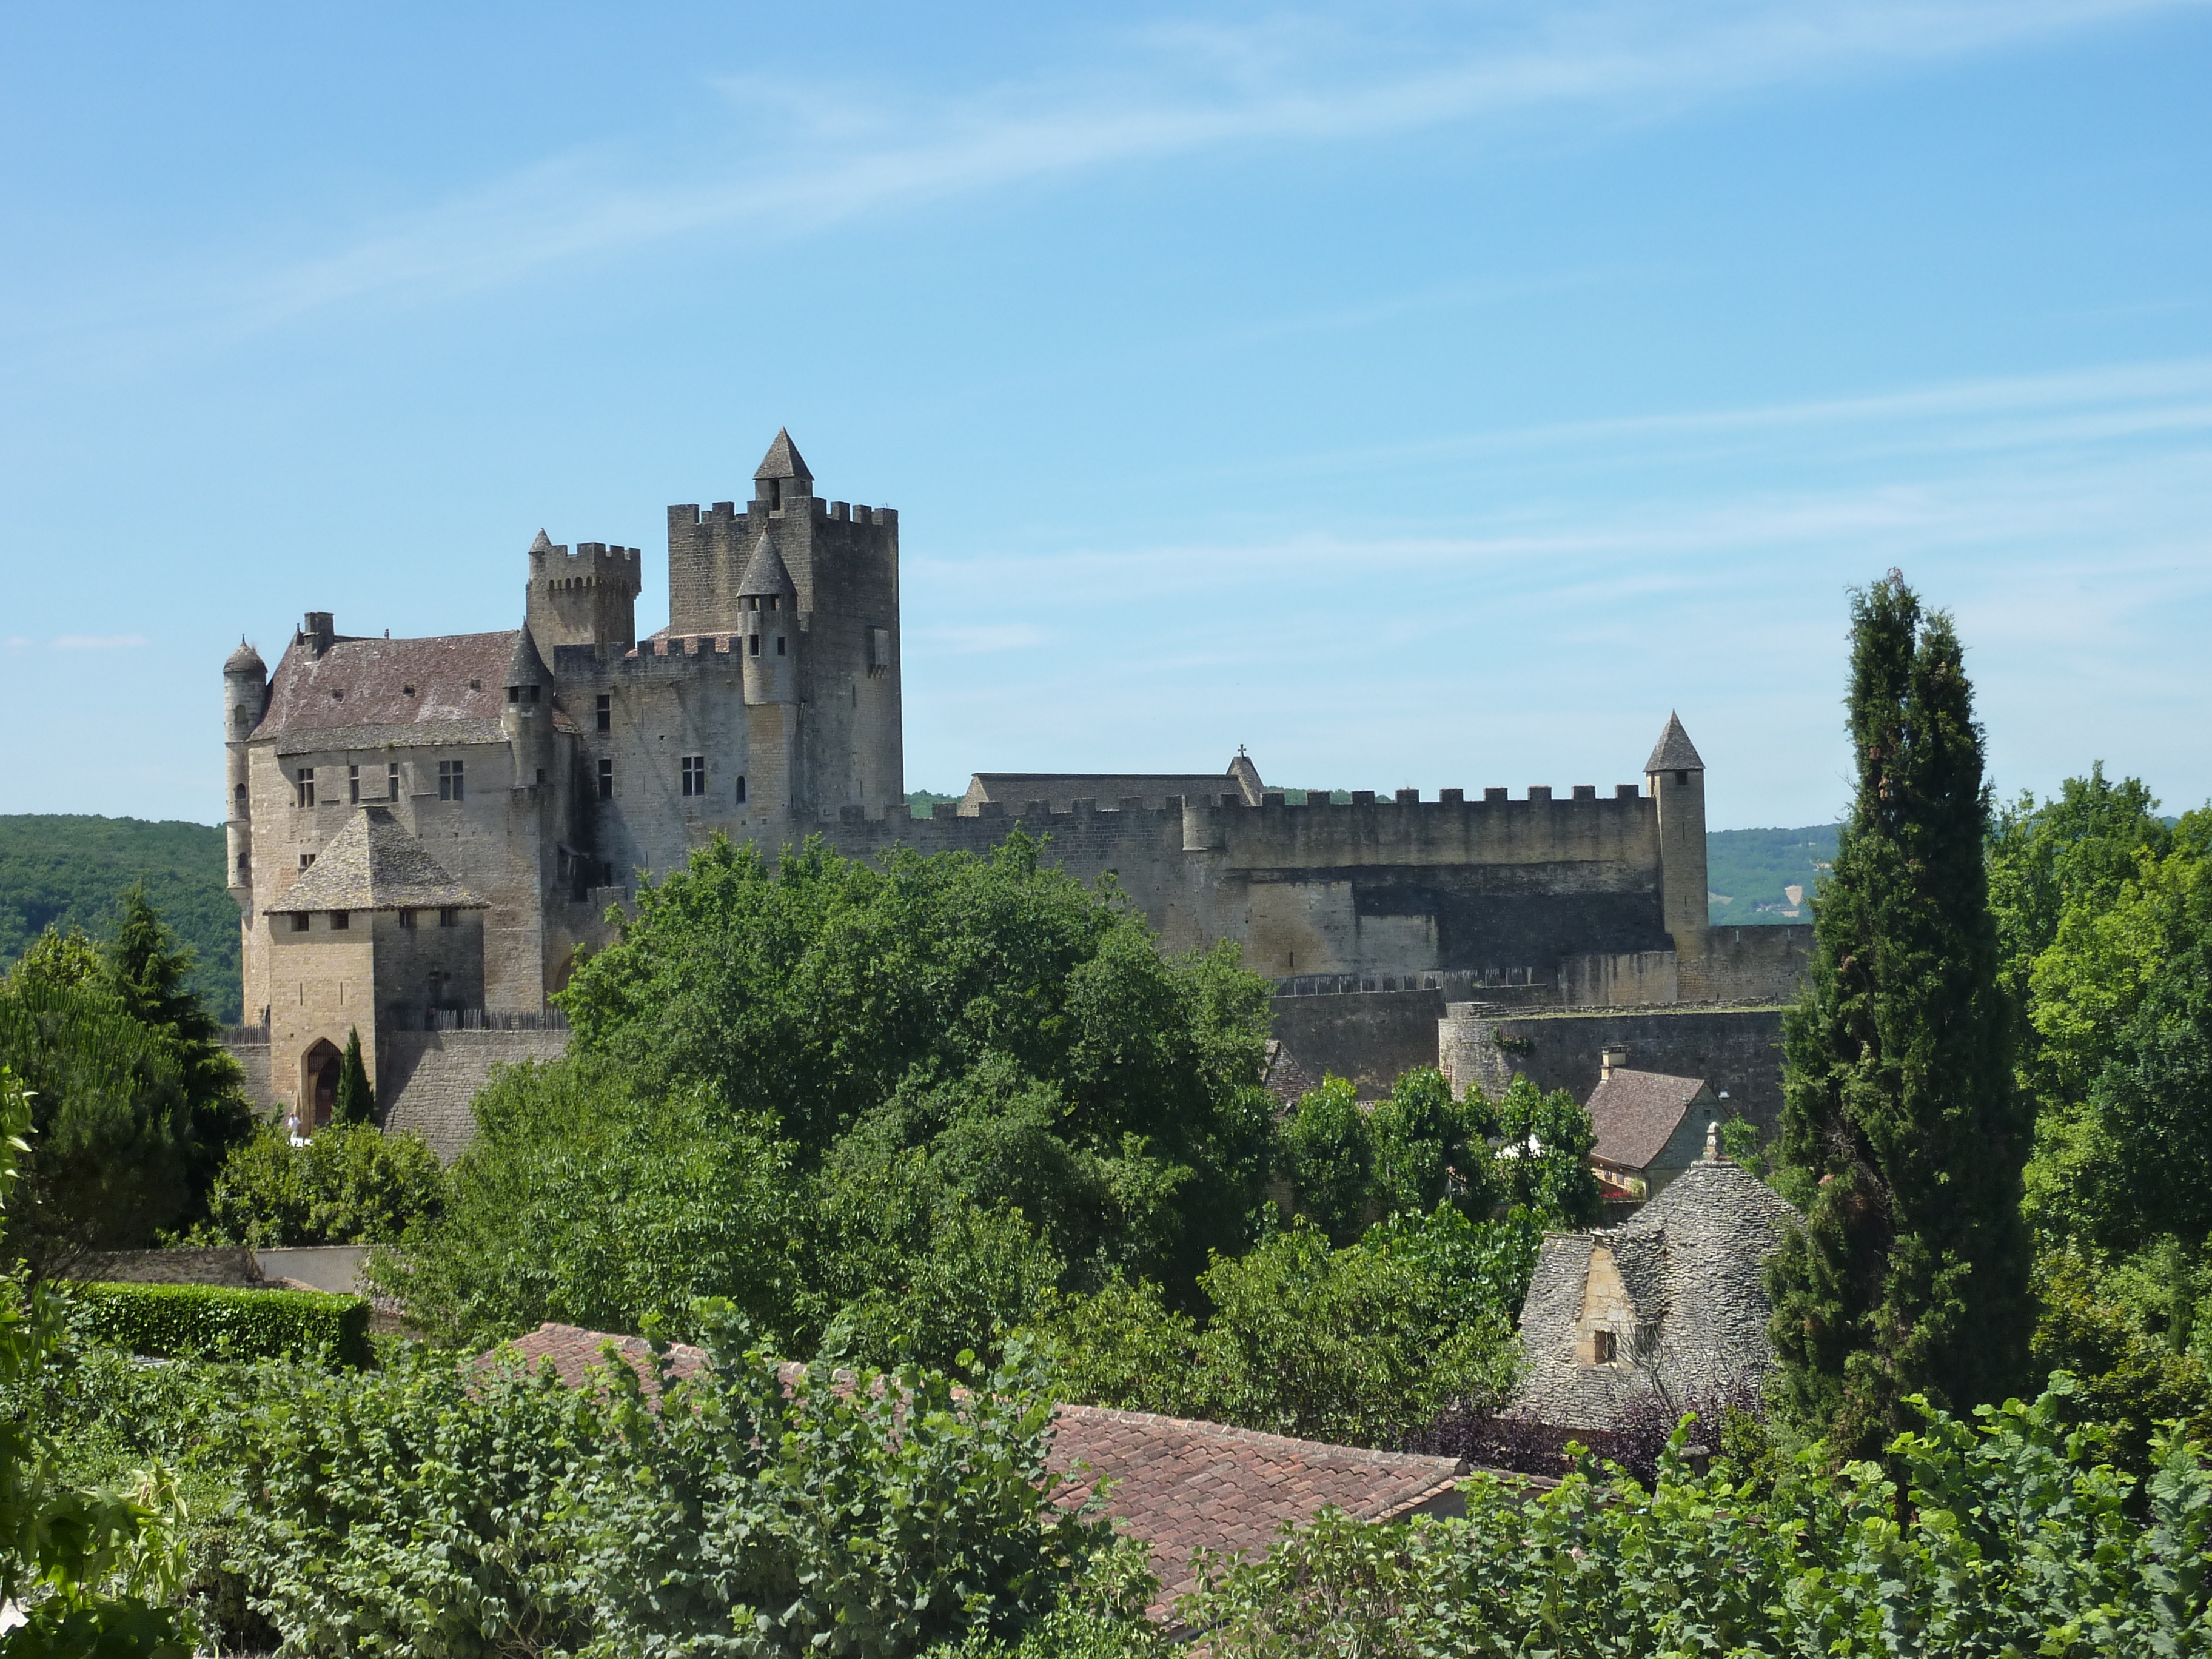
1749 872
70 871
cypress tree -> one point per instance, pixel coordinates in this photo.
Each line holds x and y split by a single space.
1901 1131
356 1101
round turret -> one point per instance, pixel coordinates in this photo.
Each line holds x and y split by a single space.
767 603
245 700
527 718
246 660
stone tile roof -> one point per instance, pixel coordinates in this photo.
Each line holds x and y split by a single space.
782 460
1635 1112
764 572
1673 753
371 693
1283 1077
373 863
1107 789
524 666
244 660
1178 1483
1689 1262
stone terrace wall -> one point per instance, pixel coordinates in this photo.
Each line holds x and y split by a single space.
1738 1050
427 1078
249 1046
1749 964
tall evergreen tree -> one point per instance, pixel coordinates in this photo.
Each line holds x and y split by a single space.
149 969
356 1101
1900 1124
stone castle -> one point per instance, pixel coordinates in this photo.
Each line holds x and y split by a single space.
423 834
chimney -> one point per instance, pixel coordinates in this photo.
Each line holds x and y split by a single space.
1610 1061
1713 1142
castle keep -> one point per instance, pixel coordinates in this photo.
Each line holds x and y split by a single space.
422 833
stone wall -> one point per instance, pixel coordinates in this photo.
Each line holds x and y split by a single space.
249 1046
1369 1037
1737 1050
227 1264
1749 964
433 1075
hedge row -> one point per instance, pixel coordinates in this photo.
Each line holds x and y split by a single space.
241 1324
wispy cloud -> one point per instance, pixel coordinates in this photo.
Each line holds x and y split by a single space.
1145 96
98 642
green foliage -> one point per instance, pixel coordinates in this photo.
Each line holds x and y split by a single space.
1749 872
2012 1537
85 1563
200 1319
69 872
1542 1164
1330 1154
356 1100
1361 1345
584 1199
991 1013
1902 1133
348 1185
442 1509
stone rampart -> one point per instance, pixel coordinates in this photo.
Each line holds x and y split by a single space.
430 1077
1737 1049
1750 964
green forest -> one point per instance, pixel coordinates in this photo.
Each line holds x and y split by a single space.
1749 872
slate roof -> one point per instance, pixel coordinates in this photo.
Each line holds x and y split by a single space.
765 572
782 460
1690 1263
244 660
524 666
1178 1483
1283 1077
1107 789
373 863
1673 753
1635 1112
356 695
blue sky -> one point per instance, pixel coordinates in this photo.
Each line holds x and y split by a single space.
1418 394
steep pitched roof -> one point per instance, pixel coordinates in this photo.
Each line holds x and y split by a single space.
1635 1112
373 863
1673 753
1689 1263
524 666
765 572
1178 1483
782 460
363 693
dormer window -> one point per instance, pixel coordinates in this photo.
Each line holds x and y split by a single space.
1605 1347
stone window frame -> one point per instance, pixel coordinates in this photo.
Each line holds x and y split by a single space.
452 779
694 769
303 786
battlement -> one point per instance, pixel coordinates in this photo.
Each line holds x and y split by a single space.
593 564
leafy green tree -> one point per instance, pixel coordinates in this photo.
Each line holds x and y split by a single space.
356 1100
1543 1156
990 1012
1329 1149
350 1184
584 1199
1350 1166
1901 1128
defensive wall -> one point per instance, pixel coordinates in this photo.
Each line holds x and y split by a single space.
427 1079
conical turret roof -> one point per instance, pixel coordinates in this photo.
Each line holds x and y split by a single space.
1674 752
783 460
525 667
543 543
245 660
764 572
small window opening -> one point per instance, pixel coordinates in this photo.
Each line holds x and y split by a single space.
244 864
779 645
515 694
407 920
238 794
1604 1347
606 715
756 645
1681 777
341 921
450 783
741 789
353 785
307 860
392 781
607 779
775 494
449 918
305 779
694 775
299 921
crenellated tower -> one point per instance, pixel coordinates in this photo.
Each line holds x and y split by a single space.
586 598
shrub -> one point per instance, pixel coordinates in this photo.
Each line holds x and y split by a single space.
192 1319
348 1185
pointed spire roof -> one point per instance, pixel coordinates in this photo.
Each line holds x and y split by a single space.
245 660
765 573
543 543
1673 753
783 460
524 666
373 863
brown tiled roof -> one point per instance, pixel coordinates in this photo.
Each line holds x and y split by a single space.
1179 1485
373 863
357 694
1635 1112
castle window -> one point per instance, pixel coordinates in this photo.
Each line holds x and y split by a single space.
607 779
245 866
392 781
341 919
353 785
307 860
541 775
238 794
741 789
407 920
449 781
304 779
606 711
694 775
779 645
515 694
756 644
1605 1347
449 918
1681 777
775 494
299 921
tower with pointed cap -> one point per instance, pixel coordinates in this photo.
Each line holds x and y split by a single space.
586 598
1676 779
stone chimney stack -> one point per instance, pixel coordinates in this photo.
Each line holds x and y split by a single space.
1611 1060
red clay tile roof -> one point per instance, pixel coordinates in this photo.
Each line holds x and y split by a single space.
356 695
1635 1112
1179 1485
